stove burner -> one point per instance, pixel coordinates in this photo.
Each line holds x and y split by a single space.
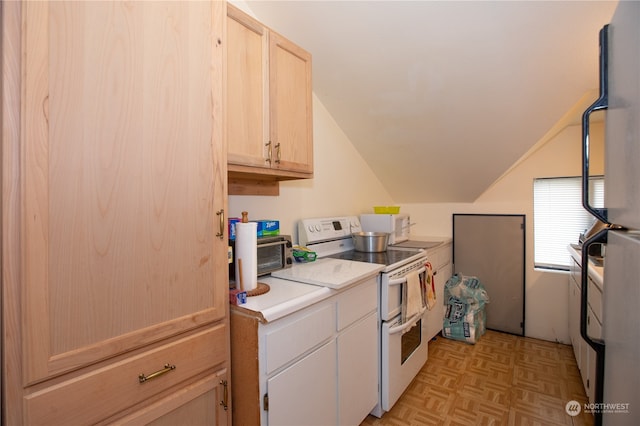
389 257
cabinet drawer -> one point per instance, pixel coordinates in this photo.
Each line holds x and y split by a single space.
595 299
294 335
105 391
357 302
198 403
594 326
439 257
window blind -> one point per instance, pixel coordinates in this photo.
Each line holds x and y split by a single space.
559 218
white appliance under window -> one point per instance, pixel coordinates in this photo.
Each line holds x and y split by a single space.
402 345
397 225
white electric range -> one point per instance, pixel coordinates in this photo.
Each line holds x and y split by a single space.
402 346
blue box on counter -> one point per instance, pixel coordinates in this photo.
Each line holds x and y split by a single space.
232 227
265 228
268 228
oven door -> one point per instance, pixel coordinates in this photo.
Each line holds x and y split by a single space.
391 289
404 352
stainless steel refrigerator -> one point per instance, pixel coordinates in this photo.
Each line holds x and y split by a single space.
618 350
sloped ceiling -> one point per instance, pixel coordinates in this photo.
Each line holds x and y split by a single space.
442 97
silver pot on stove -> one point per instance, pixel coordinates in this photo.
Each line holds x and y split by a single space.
370 242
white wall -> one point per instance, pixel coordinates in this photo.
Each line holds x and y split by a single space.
343 183
546 294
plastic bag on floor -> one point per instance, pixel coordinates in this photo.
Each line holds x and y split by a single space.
465 316
469 289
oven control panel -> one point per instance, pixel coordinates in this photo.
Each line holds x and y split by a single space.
327 229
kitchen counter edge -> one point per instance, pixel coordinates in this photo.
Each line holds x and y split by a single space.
595 272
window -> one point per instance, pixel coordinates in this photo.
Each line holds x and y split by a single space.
559 218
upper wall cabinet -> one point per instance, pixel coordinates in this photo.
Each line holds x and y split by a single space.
269 108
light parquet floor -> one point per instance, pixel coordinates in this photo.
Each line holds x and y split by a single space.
501 380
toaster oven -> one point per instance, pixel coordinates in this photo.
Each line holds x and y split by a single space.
274 253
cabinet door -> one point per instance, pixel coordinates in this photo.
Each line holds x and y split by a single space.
574 318
358 377
589 373
594 329
122 178
247 90
441 278
305 393
291 116
440 259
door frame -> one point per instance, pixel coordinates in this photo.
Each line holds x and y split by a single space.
524 245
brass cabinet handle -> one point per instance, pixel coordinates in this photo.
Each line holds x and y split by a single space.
167 367
269 152
278 153
220 214
225 395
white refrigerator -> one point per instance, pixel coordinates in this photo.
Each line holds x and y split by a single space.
618 378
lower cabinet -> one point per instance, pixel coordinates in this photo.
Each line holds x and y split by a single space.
305 392
584 354
574 318
357 386
440 258
317 366
172 376
201 403
594 329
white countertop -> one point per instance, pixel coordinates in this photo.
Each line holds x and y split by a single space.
333 273
430 238
595 272
423 242
283 298
303 285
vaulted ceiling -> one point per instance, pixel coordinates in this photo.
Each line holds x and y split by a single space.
442 97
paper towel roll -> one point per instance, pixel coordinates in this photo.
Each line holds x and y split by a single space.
246 256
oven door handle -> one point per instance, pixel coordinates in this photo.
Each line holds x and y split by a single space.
403 280
275 243
407 324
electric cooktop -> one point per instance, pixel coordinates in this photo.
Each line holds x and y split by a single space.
388 258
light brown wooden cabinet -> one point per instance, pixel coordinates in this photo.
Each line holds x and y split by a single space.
114 191
269 106
195 404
